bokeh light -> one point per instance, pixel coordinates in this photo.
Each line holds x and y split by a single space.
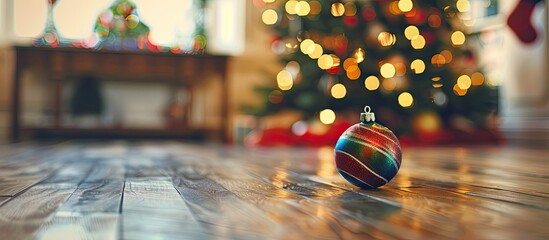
389 84
386 39
438 60
418 42
400 69
299 128
269 17
459 91
302 8
405 5
327 116
316 7
458 38
463 5
439 98
477 79
350 9
307 46
464 82
317 51
353 72
411 32
447 55
405 99
290 6
371 83
325 62
276 97
337 9
359 55
417 66
434 20
349 62
387 70
338 91
284 80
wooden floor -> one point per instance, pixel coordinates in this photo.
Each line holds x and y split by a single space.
169 190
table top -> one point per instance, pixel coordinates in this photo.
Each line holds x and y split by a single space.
171 190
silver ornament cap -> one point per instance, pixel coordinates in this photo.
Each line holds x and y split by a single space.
367 115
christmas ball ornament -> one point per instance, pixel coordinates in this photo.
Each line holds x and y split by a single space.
368 154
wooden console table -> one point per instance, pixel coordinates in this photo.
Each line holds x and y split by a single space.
59 64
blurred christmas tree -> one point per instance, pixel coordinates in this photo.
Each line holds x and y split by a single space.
119 27
407 59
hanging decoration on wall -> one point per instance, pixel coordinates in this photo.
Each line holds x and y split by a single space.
368 154
521 23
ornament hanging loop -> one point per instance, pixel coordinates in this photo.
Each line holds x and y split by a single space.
367 115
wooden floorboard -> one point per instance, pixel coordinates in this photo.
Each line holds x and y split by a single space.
171 190
153 209
4 200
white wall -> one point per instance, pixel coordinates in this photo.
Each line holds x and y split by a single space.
524 84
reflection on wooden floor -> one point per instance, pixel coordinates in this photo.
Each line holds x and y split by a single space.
168 190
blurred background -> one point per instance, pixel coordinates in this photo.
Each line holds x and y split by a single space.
275 72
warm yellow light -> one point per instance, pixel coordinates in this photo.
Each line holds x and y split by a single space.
418 42
337 9
464 82
411 32
290 6
387 70
438 60
435 79
269 1
284 80
338 91
350 9
315 7
353 72
477 79
269 17
327 116
317 51
437 85
307 46
386 39
359 55
458 38
302 8
405 5
336 60
417 66
389 84
405 99
371 83
459 91
325 62
463 5
447 55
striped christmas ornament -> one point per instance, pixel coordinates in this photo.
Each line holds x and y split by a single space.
368 154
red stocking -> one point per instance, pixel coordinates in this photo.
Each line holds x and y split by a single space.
519 21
